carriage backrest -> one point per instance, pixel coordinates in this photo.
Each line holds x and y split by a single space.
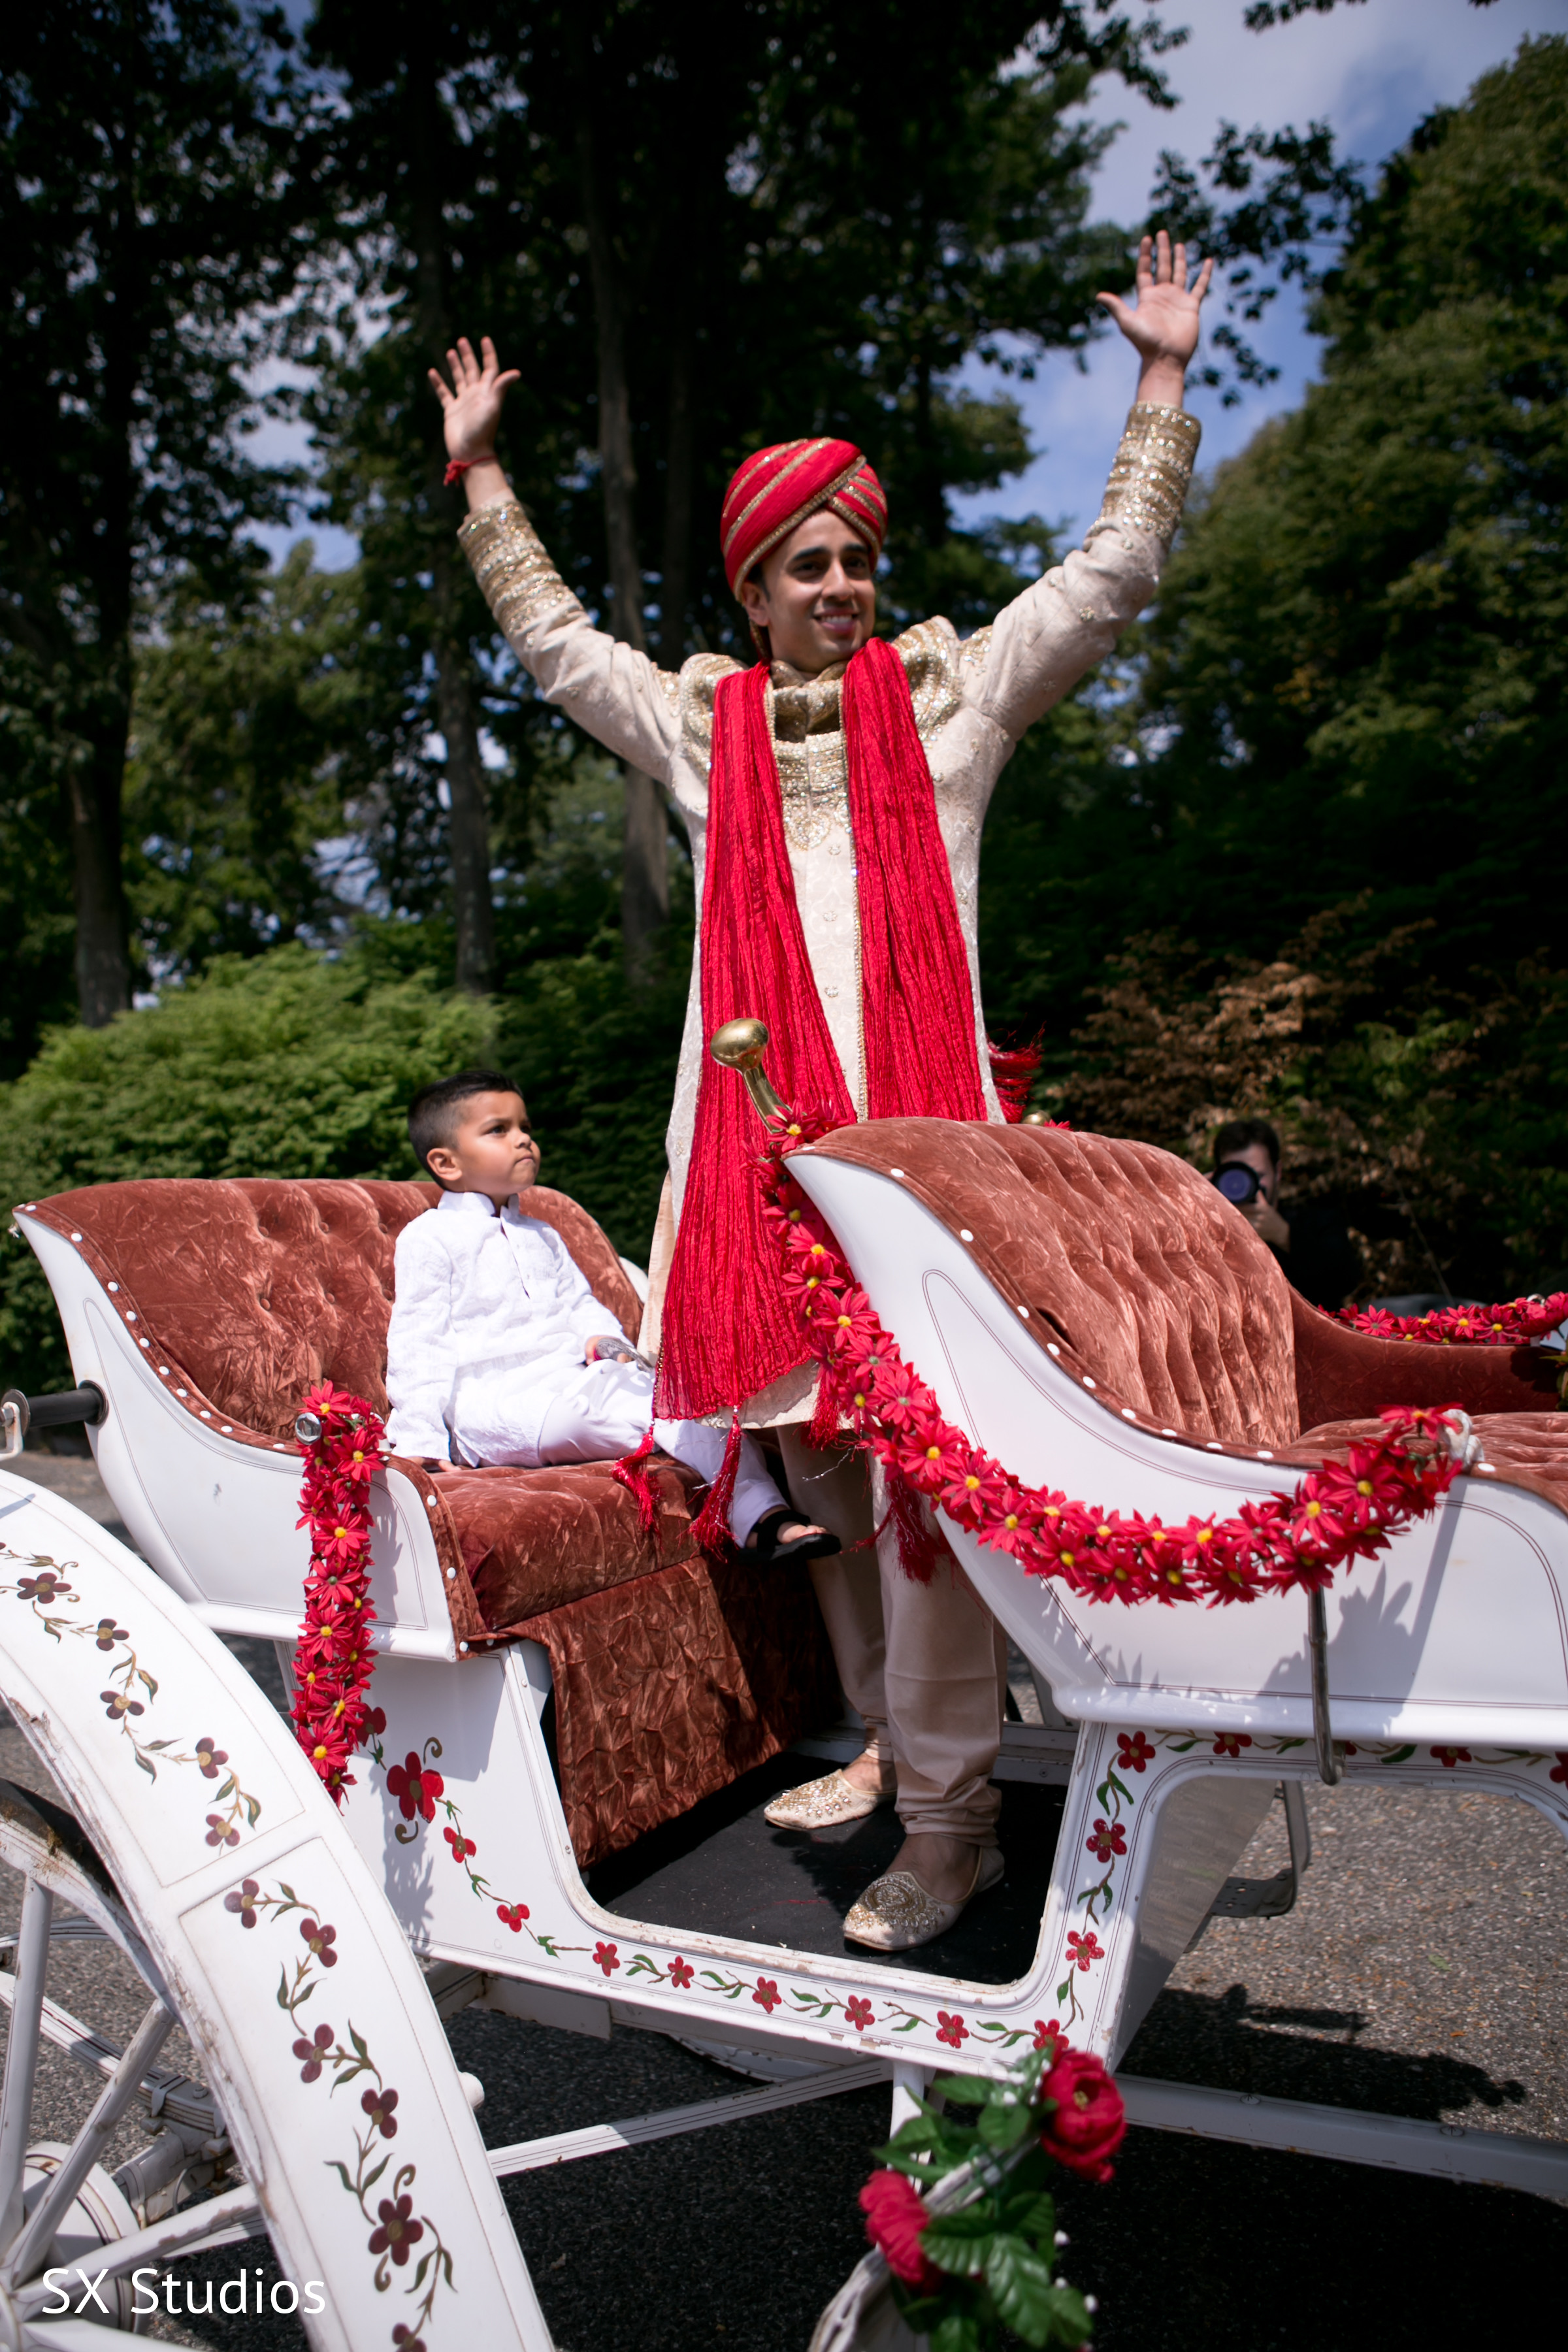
1155 1285
258 1287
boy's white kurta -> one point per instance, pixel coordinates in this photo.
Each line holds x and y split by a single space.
973 701
491 1315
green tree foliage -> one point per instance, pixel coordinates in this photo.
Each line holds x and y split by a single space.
1357 670
282 1064
1436 1117
256 731
146 204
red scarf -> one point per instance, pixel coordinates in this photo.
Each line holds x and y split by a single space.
727 1331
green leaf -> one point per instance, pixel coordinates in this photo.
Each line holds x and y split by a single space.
1032 2215
360 2044
147 1765
959 2332
964 2251
1003 2127
969 2090
1021 2281
374 2175
1074 2322
342 2172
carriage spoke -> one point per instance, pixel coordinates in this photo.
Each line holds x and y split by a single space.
217 2222
175 2097
22 2052
90 2142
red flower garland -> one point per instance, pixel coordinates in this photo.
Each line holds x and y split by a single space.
1283 1542
1514 1324
334 1662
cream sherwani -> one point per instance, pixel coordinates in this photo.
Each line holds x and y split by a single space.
973 700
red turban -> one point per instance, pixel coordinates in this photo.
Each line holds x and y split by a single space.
778 487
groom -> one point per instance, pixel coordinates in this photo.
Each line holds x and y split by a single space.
834 794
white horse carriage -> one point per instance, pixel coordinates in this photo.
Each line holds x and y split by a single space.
546 1811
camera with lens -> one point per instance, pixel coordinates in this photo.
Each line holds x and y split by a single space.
1240 1182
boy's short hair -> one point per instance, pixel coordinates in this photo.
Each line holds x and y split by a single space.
1237 1133
432 1115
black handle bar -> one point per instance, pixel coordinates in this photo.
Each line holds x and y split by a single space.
58 1411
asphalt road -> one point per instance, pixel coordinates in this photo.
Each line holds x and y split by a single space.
1422 1973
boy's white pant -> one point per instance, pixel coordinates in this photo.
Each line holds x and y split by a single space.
605 1410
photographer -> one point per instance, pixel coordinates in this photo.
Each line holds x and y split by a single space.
1311 1241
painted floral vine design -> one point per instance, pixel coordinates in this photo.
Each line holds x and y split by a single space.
133 1692
397 2232
1116 1795
1282 1542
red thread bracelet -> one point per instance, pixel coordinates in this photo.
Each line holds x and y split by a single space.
458 467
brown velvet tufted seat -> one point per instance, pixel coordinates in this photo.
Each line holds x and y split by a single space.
1155 1287
673 1672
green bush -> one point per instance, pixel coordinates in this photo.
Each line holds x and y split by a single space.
283 1065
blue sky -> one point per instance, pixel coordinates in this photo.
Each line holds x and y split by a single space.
1372 70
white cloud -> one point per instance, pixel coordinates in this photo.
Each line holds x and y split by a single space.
1371 71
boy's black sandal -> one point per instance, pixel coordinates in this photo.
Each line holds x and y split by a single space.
767 1547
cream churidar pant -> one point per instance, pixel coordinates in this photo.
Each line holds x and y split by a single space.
925 1665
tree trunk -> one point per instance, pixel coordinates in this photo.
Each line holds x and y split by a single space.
92 798
468 818
94 784
468 821
677 565
644 867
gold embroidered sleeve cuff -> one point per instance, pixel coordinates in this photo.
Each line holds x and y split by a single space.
519 582
1151 473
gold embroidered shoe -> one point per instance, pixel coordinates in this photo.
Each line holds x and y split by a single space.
822 1804
895 1912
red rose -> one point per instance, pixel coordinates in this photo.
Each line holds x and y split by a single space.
1090 2122
895 2215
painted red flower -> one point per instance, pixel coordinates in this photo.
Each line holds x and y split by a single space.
320 1940
1108 1838
605 1957
1449 1757
243 1900
767 1995
680 1974
1084 1950
221 1832
1560 1769
405 2340
461 1847
107 1633
859 2012
1090 2122
1231 1743
47 1588
951 2030
375 1722
116 1705
1133 1752
209 1755
895 2216
415 1787
514 1914
1047 2037
378 2105
314 2051
398 2233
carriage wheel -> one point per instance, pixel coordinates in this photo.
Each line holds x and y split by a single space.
310 2094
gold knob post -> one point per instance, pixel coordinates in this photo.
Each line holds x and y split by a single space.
740 1046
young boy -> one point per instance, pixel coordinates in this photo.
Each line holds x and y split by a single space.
499 1352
